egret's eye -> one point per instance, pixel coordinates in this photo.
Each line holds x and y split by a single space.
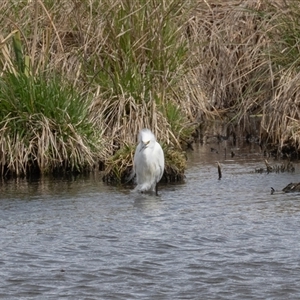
147 143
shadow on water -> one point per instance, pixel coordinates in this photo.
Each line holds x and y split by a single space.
78 238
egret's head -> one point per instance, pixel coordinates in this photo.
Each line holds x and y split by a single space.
146 138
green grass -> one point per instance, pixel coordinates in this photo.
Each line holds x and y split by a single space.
45 124
136 60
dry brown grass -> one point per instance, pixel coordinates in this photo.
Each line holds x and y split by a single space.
281 115
243 63
227 45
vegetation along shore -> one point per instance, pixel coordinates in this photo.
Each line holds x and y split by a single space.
79 79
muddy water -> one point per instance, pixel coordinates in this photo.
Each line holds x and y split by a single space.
204 239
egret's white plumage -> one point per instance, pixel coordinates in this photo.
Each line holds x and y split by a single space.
149 162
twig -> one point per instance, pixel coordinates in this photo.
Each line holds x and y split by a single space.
219 171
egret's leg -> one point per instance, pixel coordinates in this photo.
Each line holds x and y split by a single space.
156 189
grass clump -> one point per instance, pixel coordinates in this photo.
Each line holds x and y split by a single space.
119 166
45 127
175 162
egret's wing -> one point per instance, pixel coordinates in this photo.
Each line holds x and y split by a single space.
136 155
135 160
160 161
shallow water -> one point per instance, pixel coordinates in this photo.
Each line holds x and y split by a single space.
204 239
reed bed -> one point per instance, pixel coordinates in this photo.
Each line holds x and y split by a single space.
244 63
96 72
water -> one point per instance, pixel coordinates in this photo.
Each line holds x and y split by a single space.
204 239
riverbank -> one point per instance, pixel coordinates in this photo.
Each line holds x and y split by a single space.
79 80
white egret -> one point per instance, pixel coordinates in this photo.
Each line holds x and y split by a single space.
149 162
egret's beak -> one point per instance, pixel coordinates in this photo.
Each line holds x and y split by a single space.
144 145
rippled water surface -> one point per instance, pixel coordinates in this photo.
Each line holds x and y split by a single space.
204 239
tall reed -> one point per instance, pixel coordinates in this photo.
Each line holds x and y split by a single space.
139 63
281 115
244 63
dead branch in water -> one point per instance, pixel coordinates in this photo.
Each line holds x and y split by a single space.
219 171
